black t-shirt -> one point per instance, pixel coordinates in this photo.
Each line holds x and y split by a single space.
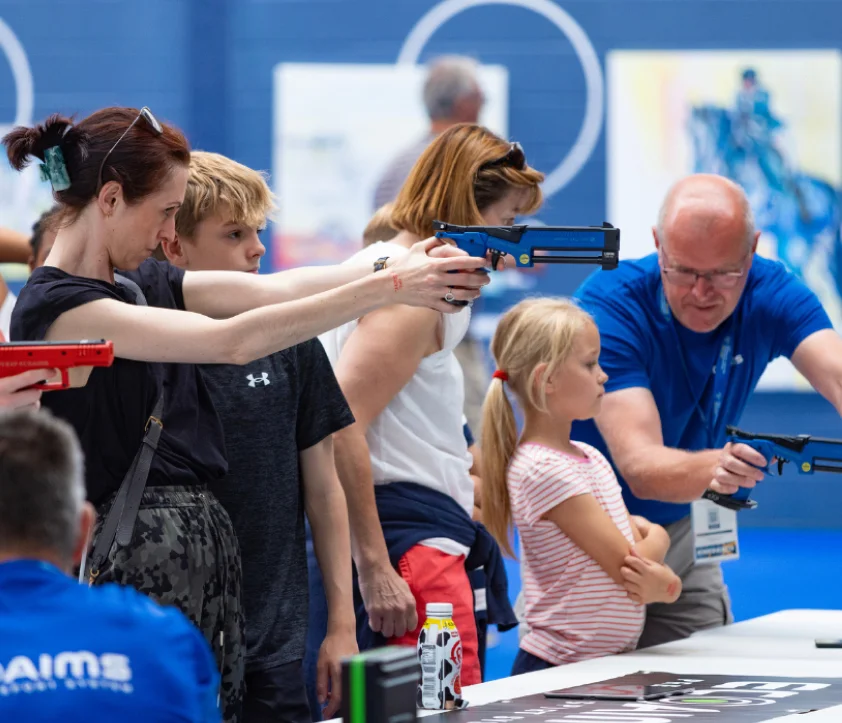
109 413
271 410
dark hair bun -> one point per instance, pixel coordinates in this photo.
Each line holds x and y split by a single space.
23 143
141 163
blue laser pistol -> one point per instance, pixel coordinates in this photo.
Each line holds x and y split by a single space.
529 245
809 454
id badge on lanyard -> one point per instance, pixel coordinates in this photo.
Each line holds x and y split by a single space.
715 532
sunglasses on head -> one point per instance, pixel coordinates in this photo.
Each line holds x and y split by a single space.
515 157
151 121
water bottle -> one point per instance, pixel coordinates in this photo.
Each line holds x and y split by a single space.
440 656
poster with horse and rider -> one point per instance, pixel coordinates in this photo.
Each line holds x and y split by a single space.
768 120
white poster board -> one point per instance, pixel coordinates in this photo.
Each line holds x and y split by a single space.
673 113
23 195
336 128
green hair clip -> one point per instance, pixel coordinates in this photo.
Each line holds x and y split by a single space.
54 169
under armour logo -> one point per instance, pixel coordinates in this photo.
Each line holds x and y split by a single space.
262 379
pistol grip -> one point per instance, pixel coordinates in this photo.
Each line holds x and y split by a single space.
765 448
737 501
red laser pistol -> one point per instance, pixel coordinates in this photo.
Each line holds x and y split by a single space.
809 454
20 356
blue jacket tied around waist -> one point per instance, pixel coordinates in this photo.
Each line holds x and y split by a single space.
410 513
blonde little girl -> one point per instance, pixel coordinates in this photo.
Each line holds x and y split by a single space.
588 568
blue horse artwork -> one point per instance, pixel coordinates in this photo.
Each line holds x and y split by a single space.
797 213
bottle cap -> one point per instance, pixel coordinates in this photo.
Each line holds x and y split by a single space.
439 610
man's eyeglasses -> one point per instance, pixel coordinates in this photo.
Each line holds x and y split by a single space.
151 121
688 277
515 157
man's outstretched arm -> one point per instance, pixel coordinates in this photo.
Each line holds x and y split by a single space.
631 426
819 359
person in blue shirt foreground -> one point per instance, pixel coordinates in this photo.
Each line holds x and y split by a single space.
69 652
686 334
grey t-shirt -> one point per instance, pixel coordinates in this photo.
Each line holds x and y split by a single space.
271 410
398 171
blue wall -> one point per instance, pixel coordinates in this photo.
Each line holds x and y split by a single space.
206 65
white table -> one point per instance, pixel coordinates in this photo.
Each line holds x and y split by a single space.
781 644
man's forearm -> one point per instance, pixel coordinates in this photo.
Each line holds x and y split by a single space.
328 517
354 466
670 475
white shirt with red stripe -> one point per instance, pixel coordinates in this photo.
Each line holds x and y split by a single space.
574 609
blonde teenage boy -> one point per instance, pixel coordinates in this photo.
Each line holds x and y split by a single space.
278 414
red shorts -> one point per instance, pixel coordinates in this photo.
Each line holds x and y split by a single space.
434 576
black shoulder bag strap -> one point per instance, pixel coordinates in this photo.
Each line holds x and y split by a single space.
120 521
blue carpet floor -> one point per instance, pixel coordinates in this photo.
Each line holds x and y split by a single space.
778 569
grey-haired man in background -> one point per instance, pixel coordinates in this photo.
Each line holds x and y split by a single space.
451 95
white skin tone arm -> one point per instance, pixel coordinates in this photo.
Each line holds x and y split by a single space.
165 335
223 294
14 247
631 426
327 512
590 527
650 540
14 393
819 359
379 358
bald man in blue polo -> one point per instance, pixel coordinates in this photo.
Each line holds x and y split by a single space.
687 332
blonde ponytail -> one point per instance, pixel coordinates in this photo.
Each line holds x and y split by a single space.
533 332
499 441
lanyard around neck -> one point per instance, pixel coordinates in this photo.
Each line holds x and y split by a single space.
721 371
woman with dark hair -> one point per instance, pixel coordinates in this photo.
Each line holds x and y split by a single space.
120 176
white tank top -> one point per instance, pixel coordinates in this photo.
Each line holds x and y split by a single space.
418 437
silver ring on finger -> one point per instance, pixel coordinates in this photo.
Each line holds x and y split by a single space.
449 297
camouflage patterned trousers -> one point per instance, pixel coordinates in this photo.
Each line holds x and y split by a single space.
184 552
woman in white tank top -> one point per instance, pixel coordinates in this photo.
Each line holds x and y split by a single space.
397 369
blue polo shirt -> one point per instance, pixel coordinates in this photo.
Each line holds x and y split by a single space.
643 346
73 653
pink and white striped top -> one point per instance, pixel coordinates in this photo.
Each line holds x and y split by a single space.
573 608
